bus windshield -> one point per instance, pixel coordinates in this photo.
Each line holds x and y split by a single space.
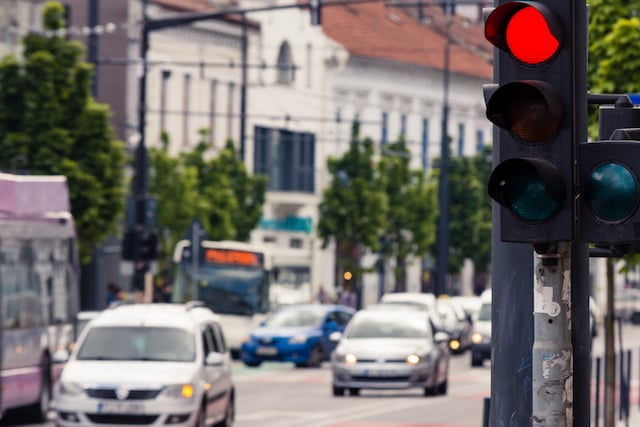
225 289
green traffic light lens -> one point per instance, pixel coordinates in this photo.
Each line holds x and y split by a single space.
611 191
528 197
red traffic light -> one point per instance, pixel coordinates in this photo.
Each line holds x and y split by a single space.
527 30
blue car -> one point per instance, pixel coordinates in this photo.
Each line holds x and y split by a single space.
297 334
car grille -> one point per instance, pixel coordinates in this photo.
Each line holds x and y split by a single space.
122 419
269 340
105 393
391 379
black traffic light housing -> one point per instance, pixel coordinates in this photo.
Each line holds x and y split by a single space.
536 106
609 176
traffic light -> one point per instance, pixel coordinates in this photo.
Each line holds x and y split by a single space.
541 80
140 245
147 245
609 180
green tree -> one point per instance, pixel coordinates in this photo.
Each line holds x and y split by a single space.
469 212
613 41
50 122
216 200
412 208
216 190
175 186
249 191
352 211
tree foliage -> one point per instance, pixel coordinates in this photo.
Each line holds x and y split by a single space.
469 212
412 208
217 190
353 208
50 124
614 41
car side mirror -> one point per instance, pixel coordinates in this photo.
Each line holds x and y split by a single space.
335 336
61 356
214 359
441 337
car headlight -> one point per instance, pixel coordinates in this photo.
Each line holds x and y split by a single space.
350 359
476 338
413 359
70 389
298 339
179 391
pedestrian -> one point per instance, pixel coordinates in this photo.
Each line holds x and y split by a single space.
323 296
114 293
348 296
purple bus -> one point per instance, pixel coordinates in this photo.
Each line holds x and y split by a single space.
39 275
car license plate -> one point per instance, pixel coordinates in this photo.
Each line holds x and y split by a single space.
267 351
376 373
120 408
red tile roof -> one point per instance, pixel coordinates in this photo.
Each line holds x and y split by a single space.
374 30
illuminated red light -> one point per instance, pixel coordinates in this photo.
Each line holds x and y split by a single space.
529 38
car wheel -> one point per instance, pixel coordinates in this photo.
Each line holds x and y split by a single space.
338 391
635 318
38 411
443 387
316 357
253 364
476 360
354 391
229 413
201 418
428 391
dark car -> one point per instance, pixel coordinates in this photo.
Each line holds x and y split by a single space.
457 324
297 334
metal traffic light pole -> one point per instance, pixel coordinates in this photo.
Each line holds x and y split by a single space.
539 106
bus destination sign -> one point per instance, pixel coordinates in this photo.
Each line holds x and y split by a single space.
232 256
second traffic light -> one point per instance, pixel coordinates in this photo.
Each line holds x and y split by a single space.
609 180
533 105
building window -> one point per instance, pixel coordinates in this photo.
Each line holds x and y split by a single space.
480 140
166 74
286 157
460 139
385 128
285 65
269 239
231 90
295 243
425 143
185 109
403 126
213 110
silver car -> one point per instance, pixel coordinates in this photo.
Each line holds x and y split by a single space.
382 350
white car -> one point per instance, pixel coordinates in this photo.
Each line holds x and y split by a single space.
148 364
388 350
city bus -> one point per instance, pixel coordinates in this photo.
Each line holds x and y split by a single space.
39 287
232 278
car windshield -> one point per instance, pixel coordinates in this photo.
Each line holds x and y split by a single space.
389 327
138 343
485 312
293 317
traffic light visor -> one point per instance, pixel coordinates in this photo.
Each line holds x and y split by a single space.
527 30
611 192
530 188
530 109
